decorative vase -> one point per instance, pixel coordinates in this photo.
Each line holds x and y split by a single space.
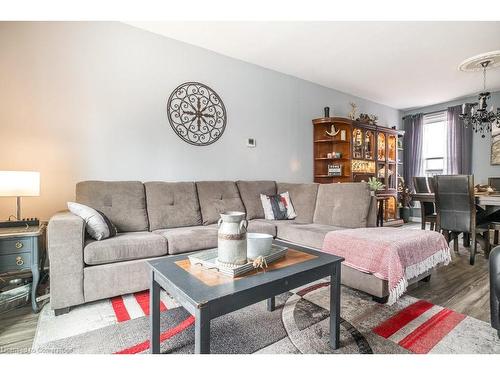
327 111
232 238
404 213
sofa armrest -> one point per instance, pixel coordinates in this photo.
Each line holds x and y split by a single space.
371 220
66 237
495 287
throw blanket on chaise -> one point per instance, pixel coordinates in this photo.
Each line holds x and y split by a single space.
392 254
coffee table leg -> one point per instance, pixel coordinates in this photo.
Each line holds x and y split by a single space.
271 304
154 308
335 307
202 330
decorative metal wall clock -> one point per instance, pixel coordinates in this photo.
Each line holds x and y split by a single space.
196 113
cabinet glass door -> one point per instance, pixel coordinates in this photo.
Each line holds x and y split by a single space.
369 145
357 143
391 148
392 178
381 146
382 174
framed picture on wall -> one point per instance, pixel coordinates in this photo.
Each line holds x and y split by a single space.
495 145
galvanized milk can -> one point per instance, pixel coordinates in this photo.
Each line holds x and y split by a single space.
232 238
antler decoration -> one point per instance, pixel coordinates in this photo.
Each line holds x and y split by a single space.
333 132
260 262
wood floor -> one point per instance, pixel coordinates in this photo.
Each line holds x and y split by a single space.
458 286
17 330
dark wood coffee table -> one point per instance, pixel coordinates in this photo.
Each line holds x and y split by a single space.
207 294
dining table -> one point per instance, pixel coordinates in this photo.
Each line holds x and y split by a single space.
490 202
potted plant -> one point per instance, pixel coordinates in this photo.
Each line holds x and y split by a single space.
374 184
404 197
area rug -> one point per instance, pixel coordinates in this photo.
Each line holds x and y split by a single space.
300 324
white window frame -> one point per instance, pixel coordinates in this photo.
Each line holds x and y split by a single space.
432 118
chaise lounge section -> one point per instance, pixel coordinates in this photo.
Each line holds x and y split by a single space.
159 219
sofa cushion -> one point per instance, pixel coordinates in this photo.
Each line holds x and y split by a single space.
217 197
303 197
123 202
262 226
172 204
250 192
182 240
345 204
311 235
124 246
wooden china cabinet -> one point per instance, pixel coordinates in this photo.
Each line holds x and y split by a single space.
357 152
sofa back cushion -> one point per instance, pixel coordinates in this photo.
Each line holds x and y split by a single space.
123 202
250 192
303 197
172 204
216 197
344 205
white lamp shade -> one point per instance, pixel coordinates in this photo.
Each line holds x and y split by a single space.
19 184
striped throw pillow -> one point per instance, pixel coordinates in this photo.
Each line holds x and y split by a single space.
278 207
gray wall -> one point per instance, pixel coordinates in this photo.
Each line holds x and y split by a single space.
87 100
481 147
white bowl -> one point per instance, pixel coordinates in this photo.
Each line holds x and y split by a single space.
258 244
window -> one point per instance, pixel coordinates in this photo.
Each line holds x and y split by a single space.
434 144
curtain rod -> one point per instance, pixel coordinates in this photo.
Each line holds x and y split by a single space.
433 112
424 114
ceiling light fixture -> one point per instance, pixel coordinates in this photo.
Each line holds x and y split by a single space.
480 119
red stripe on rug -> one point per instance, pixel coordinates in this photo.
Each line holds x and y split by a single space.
142 299
121 312
164 336
428 334
402 318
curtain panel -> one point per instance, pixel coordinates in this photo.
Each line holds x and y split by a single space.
459 143
412 147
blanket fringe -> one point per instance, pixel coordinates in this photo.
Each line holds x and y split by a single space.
442 256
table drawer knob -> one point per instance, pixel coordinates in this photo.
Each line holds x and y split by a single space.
19 244
19 261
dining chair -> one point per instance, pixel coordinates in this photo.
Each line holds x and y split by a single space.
428 210
456 212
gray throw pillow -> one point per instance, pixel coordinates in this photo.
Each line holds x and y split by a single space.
98 226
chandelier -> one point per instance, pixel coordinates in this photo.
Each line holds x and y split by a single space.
477 115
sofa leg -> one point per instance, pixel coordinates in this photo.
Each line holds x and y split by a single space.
427 278
62 311
381 300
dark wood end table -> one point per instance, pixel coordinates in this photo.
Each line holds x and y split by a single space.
23 249
206 302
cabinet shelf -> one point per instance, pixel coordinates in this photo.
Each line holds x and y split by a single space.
329 141
333 159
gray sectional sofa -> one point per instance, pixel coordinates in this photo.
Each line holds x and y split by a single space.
158 219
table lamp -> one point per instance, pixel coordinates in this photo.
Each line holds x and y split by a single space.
19 184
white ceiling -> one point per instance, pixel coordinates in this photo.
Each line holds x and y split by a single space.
400 64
